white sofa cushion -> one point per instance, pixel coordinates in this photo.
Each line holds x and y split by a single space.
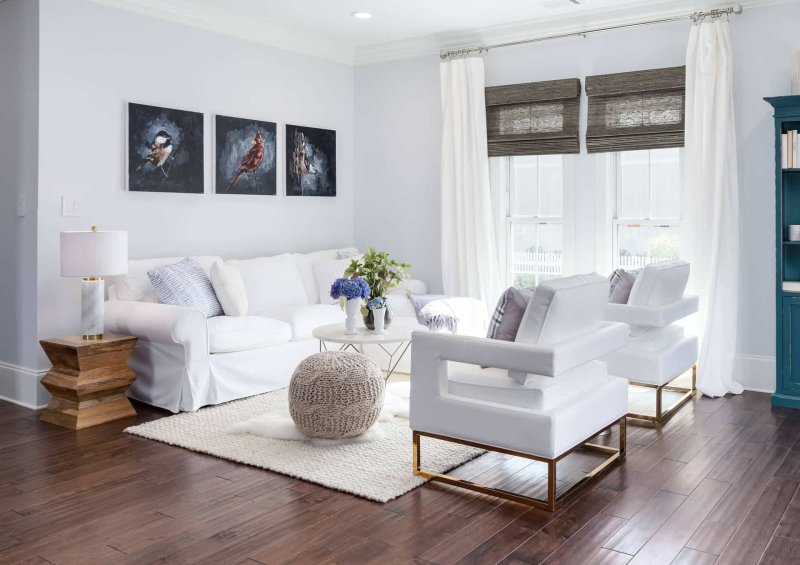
653 339
303 319
660 283
230 289
227 334
271 282
305 266
546 433
135 284
542 393
325 272
656 367
564 308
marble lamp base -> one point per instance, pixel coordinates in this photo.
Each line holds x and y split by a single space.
92 307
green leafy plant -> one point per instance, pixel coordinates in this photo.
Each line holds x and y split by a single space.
381 273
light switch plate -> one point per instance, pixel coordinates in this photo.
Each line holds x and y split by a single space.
22 206
70 207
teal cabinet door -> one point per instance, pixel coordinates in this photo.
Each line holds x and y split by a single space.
789 380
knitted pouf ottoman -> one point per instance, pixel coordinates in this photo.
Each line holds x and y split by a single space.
336 394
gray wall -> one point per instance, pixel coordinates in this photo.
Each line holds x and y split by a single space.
95 59
398 123
19 69
398 129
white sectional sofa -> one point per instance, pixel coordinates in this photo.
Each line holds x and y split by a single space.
184 361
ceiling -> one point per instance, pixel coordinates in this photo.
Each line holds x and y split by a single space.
400 28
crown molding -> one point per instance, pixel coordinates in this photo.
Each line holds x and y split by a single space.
314 45
257 31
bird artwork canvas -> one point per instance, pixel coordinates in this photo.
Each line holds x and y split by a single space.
310 161
245 156
165 150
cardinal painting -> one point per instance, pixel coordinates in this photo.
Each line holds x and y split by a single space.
245 151
165 150
310 161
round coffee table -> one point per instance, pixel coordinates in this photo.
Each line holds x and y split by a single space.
395 342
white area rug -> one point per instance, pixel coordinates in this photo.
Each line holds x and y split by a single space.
376 467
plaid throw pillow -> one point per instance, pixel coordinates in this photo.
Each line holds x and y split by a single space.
508 313
621 284
497 316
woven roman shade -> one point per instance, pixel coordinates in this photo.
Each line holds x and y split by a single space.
535 118
636 110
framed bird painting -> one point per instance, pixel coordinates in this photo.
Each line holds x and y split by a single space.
310 161
165 150
245 156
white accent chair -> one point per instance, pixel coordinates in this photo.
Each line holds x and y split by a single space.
658 352
540 397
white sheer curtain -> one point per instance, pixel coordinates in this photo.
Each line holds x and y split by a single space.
469 244
712 209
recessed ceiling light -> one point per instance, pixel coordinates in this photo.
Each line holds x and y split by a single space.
361 15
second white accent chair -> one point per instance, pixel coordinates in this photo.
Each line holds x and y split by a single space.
540 397
658 352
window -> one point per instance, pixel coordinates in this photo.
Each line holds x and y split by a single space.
646 197
533 246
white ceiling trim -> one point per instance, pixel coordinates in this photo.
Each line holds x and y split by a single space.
317 46
242 28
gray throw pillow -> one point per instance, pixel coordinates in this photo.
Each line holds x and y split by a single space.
185 283
508 314
621 284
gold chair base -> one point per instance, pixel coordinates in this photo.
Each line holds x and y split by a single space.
661 416
554 498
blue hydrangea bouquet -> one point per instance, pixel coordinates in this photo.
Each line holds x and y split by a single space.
347 289
350 292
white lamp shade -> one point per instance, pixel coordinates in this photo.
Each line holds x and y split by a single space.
94 253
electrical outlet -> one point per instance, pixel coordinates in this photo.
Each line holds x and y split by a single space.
70 207
22 207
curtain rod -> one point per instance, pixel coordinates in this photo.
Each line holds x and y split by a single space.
695 17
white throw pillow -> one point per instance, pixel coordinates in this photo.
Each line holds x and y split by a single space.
230 289
564 308
660 283
271 282
305 265
325 273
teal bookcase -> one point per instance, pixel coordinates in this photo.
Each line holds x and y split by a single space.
787 260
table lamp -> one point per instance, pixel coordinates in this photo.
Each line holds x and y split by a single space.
93 255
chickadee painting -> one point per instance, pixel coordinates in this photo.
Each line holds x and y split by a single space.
160 150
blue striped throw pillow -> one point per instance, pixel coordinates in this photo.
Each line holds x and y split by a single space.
185 283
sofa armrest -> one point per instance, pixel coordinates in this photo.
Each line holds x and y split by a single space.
157 323
652 316
430 348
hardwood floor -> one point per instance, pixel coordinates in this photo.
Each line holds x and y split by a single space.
719 484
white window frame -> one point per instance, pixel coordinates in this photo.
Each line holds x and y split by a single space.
502 174
608 221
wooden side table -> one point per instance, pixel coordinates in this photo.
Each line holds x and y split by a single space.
88 380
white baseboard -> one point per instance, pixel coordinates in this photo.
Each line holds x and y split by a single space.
755 372
21 385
